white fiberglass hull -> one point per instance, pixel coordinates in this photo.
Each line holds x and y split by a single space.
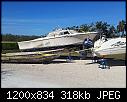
55 41
114 48
116 53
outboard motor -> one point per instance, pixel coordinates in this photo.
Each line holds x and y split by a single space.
87 43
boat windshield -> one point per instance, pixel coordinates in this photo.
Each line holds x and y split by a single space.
64 33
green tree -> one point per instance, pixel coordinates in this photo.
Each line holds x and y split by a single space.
102 27
92 27
121 27
112 31
85 28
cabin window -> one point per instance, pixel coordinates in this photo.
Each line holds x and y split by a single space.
66 32
61 33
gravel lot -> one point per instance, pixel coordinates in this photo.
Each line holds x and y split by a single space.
60 74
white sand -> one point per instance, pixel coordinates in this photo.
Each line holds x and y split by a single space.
79 74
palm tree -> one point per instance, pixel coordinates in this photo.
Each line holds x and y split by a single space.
121 27
102 27
92 27
85 28
112 31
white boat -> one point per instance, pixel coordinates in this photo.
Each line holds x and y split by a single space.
57 38
110 48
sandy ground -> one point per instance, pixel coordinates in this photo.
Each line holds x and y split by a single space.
79 74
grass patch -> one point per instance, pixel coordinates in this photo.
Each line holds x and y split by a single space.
72 54
9 51
8 42
9 45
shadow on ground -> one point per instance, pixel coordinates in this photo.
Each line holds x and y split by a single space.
116 62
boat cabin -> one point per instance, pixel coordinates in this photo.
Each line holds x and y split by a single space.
61 32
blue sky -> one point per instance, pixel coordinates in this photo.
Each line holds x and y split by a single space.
38 18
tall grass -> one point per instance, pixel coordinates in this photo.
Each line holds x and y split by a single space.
9 47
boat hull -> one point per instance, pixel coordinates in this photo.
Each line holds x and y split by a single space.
113 48
112 53
55 41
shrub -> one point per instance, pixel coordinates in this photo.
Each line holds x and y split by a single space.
9 46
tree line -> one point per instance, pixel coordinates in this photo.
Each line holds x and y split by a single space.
102 27
99 26
16 38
